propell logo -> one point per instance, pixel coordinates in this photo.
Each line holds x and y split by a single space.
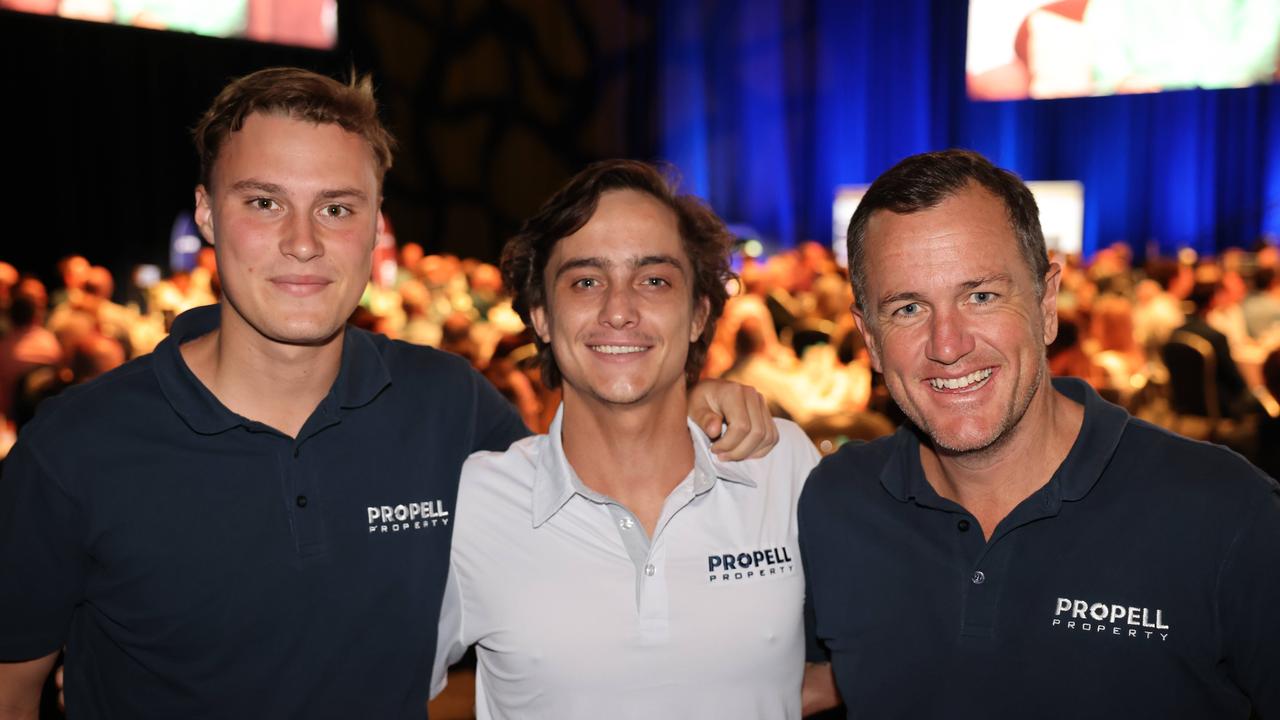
407 516
1112 619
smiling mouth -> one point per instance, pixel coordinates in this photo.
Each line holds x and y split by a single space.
972 381
617 349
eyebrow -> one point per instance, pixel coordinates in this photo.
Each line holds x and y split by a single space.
900 297
986 280
602 264
252 185
259 186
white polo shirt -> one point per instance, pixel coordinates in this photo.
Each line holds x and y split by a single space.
576 613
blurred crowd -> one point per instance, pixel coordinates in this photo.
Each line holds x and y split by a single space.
1186 342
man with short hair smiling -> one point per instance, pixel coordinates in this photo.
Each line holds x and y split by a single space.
254 520
614 567
1022 548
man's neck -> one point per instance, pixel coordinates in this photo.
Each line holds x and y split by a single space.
992 482
635 454
270 382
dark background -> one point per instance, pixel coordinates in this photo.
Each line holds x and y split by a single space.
764 106
494 104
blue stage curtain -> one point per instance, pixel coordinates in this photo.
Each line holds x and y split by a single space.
768 105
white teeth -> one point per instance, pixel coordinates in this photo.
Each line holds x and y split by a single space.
961 382
617 349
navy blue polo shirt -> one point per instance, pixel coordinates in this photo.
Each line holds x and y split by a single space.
199 564
1143 580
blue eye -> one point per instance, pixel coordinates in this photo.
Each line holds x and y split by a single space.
908 310
983 297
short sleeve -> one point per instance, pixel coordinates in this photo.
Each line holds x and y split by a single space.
42 561
449 643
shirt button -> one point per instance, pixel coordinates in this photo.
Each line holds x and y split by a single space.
626 523
963 525
302 501
979 578
649 570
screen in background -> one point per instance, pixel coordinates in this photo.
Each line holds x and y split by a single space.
309 23
1021 49
1061 205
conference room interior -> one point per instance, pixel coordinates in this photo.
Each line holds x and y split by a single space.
1161 197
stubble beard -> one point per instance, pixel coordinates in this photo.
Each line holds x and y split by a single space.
1004 432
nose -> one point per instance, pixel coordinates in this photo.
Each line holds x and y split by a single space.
619 308
300 240
949 337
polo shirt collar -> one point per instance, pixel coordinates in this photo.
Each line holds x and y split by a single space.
361 376
555 481
1104 423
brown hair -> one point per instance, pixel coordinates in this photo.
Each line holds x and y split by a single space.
296 93
922 181
703 235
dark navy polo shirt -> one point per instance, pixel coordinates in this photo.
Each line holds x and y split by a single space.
1142 581
199 564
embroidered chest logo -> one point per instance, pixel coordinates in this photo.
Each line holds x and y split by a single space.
407 516
733 567
1110 619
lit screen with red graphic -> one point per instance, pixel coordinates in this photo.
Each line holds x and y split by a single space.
1071 48
309 23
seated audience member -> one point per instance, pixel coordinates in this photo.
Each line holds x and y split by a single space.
8 279
89 356
1117 358
1158 302
1262 307
1234 398
1267 456
28 345
72 269
455 337
1066 355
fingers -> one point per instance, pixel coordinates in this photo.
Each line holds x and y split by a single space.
750 432
770 438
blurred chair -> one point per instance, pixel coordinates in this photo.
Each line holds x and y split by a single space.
1193 389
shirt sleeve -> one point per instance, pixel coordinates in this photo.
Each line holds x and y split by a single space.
450 645
1249 601
497 422
42 561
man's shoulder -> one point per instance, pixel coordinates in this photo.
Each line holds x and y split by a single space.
122 395
419 363
1181 468
857 459
495 488
853 470
490 468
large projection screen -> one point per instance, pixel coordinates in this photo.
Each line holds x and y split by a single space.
307 23
1061 204
1071 48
